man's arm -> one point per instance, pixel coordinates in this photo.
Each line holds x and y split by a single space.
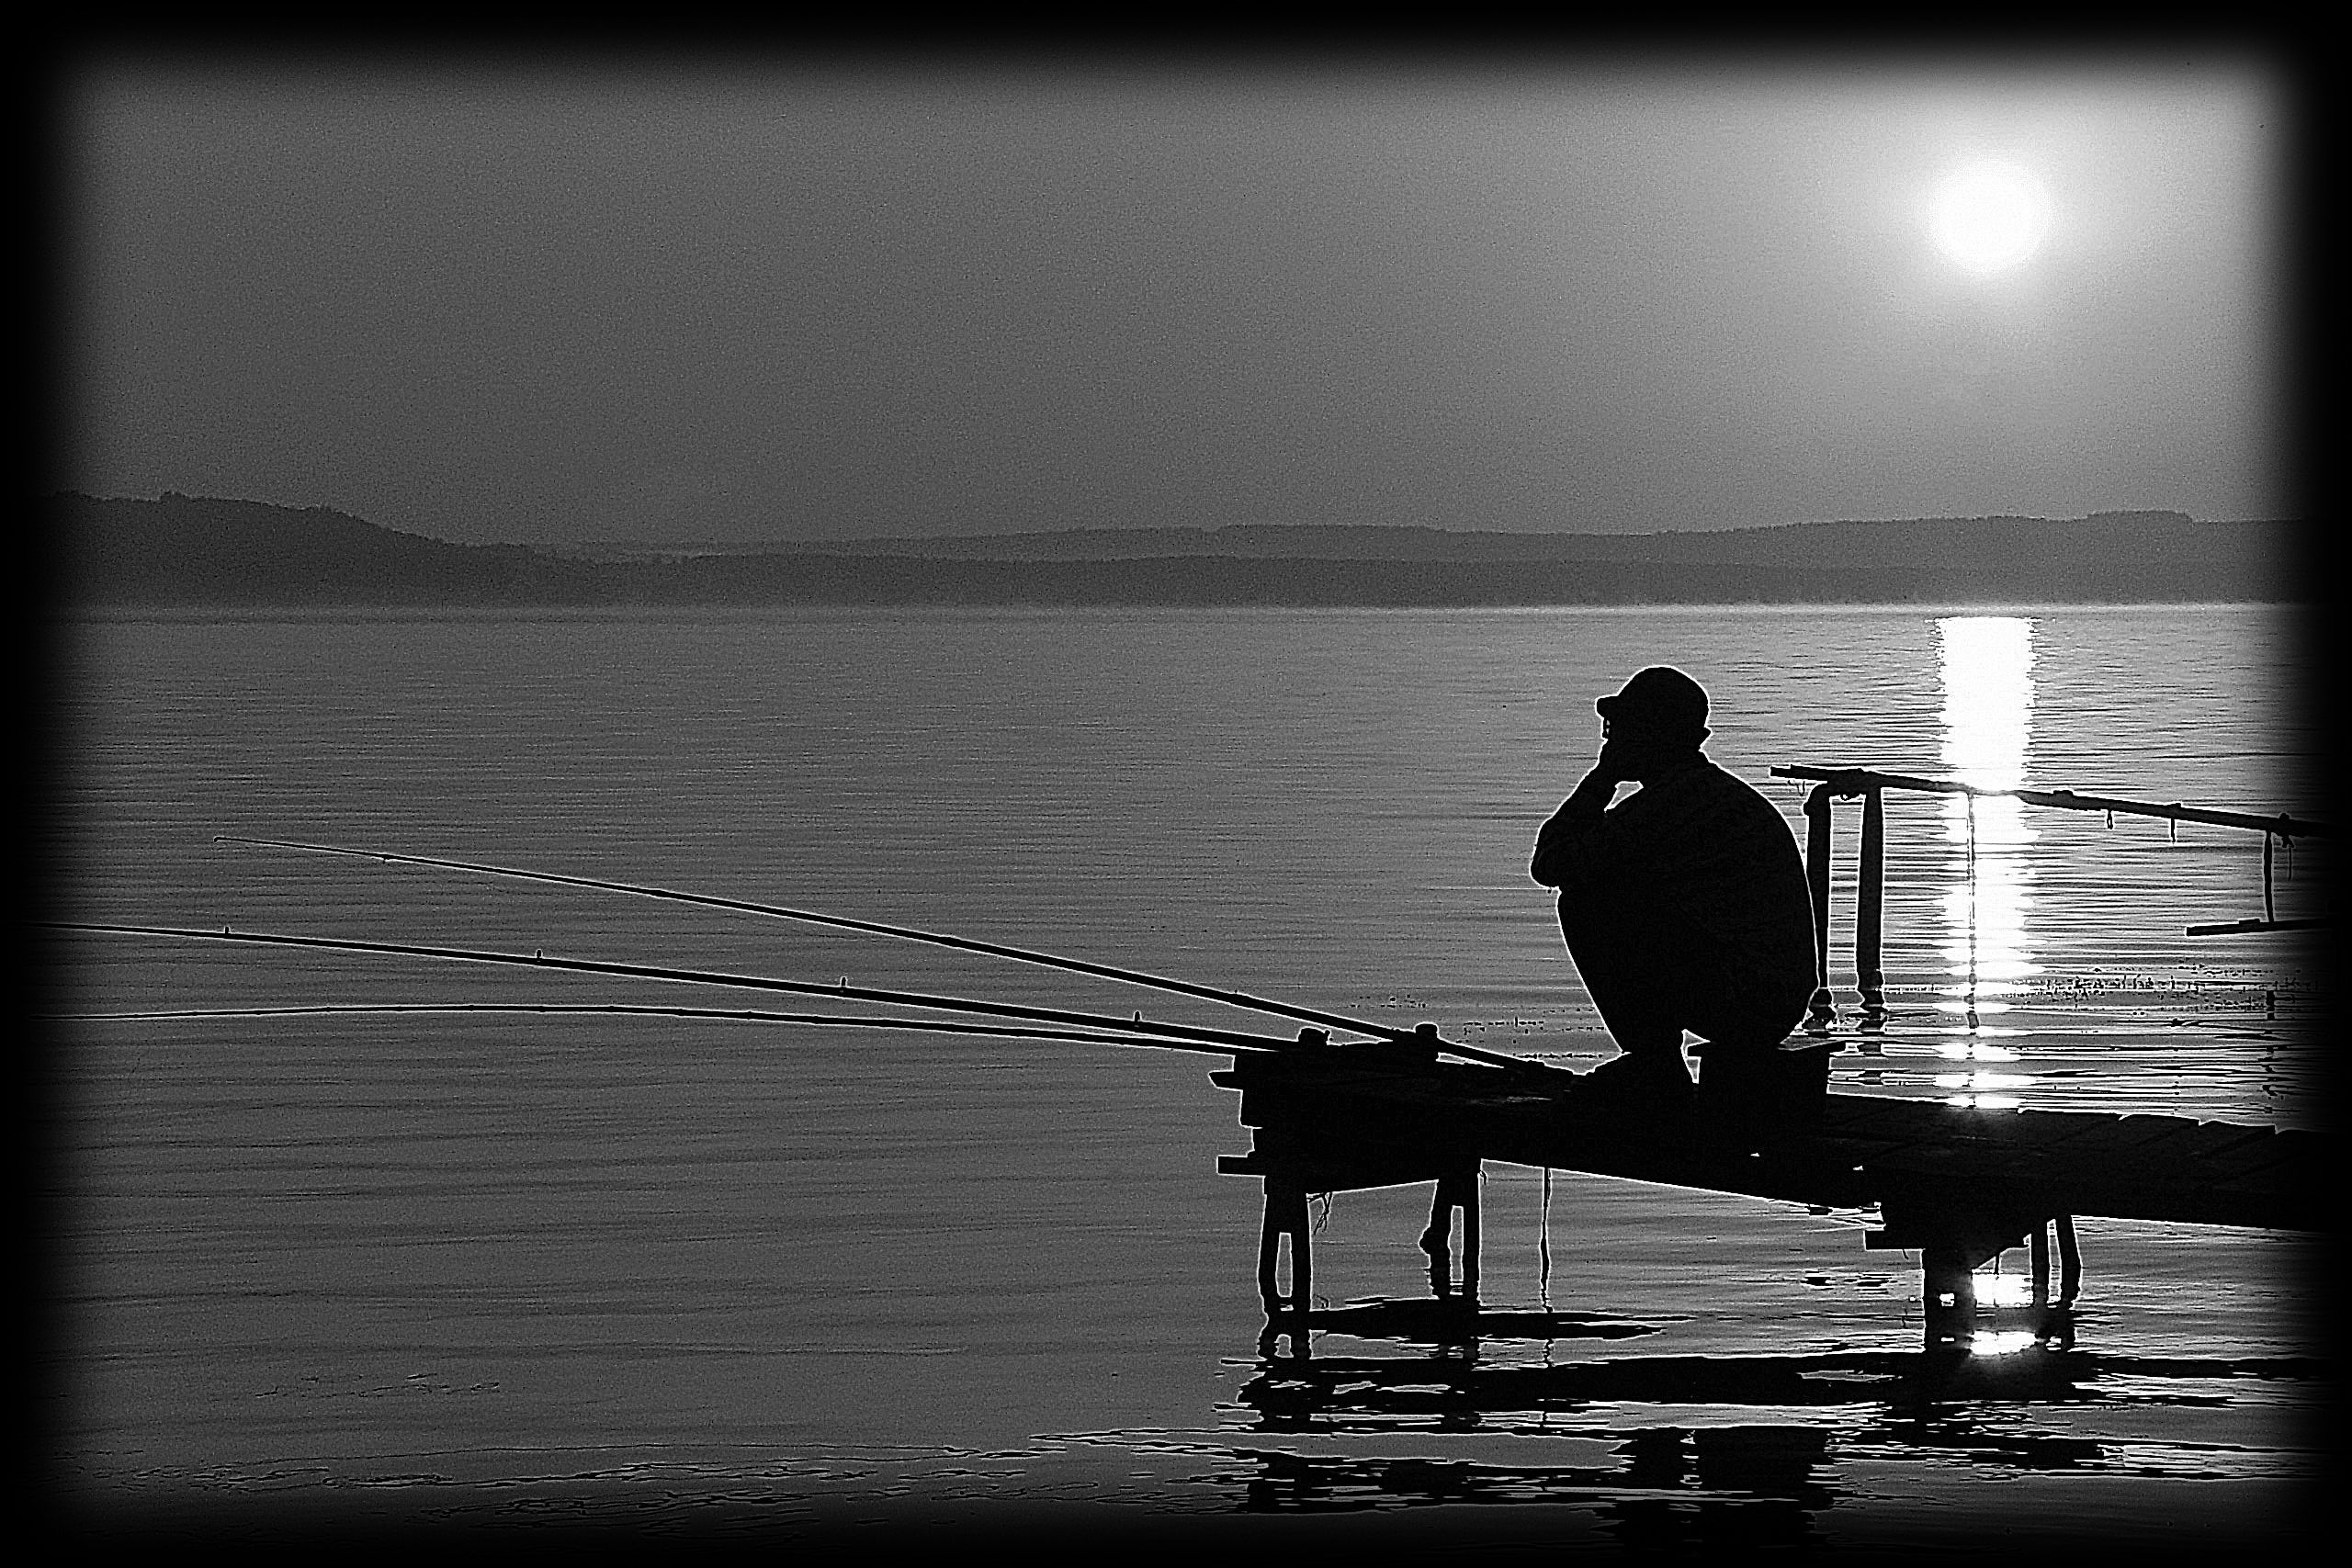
1577 819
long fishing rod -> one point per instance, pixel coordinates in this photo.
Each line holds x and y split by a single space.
1136 1024
749 1015
937 939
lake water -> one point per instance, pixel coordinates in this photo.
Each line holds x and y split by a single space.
713 1275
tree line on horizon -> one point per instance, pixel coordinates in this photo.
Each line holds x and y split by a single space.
184 552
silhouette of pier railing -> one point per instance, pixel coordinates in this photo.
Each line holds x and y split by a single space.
1851 781
1870 891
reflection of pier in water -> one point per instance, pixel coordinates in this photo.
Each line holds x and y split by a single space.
1693 1479
1901 1389
1734 1486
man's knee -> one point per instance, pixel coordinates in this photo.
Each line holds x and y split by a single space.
1619 941
1750 1015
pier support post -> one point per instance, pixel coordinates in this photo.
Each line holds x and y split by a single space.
1456 1189
1285 1217
1870 903
1823 1010
1954 1234
2055 1320
1870 900
2070 1261
1951 1246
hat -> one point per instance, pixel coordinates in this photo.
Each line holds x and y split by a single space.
1660 698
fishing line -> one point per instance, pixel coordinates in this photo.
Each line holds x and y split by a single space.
747 1015
1216 1041
938 939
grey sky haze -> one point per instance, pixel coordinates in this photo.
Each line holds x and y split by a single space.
778 302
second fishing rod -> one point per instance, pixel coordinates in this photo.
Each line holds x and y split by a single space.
1423 1037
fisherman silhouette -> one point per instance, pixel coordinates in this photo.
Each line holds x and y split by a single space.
1684 906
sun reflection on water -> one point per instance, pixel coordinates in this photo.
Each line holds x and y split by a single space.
1987 736
2003 1290
1981 1081
1975 1051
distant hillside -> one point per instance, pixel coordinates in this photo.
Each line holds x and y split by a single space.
1937 541
191 550
186 551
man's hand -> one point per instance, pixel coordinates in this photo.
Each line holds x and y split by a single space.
1592 794
1579 814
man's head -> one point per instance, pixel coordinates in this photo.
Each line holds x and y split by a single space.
1660 716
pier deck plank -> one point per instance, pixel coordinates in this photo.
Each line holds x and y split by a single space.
1357 1116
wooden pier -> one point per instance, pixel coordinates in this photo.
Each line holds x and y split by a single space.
1960 1185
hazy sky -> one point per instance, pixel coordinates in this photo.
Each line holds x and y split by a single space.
778 300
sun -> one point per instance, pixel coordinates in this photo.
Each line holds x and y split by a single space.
1988 217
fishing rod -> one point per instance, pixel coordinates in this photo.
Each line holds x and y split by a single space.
937 939
1136 1024
750 1015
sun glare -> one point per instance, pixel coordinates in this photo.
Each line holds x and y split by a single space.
1987 218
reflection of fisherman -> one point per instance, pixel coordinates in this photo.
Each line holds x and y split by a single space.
1685 907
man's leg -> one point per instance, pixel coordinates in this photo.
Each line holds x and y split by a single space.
1753 1013
1627 967
1751 1088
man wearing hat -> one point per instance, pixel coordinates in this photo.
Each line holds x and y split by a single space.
1684 906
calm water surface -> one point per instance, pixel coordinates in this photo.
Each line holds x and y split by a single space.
507 1267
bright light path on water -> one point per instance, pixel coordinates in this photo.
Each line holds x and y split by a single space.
1982 1080
1987 738
1997 1291
2002 1289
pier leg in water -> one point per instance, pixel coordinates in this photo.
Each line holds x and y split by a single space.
1458 1190
2058 1320
1869 902
1285 1215
2070 1261
2055 1320
1822 1011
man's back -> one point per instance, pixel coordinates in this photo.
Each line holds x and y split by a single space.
1701 853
